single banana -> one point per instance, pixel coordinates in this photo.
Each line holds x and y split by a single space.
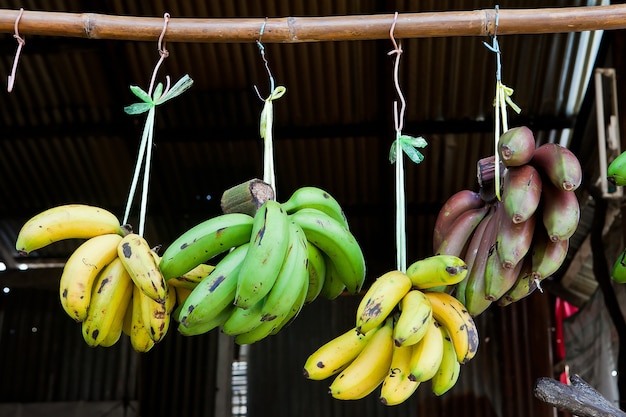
260 332
156 314
111 293
243 320
513 239
317 273
369 368
523 287
448 373
266 254
616 171
381 299
115 331
216 320
314 197
436 270
457 203
141 263
80 272
337 242
561 212
498 279
450 313
559 165
547 255
140 338
521 192
191 279
292 280
294 312
471 253
415 315
336 354
204 241
397 387
213 294
516 146
70 221
427 354
455 240
333 286
618 271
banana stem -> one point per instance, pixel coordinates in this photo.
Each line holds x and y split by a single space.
400 209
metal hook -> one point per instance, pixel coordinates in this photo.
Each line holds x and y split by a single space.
20 44
164 53
398 116
265 62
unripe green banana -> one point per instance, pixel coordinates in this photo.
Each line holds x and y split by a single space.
516 146
436 270
521 192
69 221
336 354
381 299
314 197
559 165
266 254
458 234
616 171
333 286
618 272
457 203
560 213
317 273
337 242
213 294
204 241
415 315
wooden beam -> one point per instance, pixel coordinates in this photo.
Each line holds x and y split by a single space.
317 29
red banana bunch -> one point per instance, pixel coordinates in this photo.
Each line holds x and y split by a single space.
513 243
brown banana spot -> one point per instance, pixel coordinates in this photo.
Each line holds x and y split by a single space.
94 334
320 365
103 284
127 251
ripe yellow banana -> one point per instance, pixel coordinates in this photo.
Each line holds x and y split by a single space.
115 331
450 313
336 354
191 279
427 354
369 368
81 270
381 299
139 333
449 369
110 294
437 270
397 387
413 320
139 260
70 221
156 314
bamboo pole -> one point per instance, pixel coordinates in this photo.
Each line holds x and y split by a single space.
317 29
